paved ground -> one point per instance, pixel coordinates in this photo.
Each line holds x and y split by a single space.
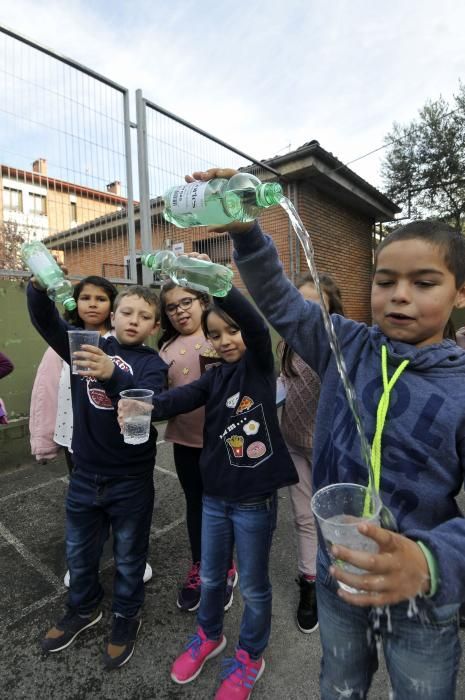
31 570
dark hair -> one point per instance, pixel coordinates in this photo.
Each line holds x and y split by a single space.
109 289
450 241
169 332
332 291
213 308
145 293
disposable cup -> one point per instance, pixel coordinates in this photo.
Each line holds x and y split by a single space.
137 415
76 340
339 509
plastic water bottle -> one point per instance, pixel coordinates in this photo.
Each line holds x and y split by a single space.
44 267
220 201
202 275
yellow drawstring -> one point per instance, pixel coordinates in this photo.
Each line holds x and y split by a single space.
383 407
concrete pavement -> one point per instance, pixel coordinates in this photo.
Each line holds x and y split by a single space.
31 580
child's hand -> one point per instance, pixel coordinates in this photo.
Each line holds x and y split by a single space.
96 363
234 226
35 282
199 256
129 407
397 572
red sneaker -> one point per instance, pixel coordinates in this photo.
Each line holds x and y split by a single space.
239 676
198 650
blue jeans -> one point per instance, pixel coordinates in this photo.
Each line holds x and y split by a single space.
422 652
94 503
250 526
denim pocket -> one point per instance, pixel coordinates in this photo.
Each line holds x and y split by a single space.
262 504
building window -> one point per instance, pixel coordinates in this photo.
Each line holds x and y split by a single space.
38 203
12 199
73 211
218 248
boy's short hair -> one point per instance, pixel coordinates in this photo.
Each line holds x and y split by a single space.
145 293
437 233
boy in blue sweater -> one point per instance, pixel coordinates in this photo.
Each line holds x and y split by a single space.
419 278
112 483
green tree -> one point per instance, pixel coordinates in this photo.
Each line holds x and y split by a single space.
424 167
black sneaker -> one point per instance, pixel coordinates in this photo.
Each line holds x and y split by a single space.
231 583
307 613
65 631
189 594
122 641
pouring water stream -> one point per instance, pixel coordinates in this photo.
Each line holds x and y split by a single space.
386 517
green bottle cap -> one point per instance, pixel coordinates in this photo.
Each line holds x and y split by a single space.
269 193
69 304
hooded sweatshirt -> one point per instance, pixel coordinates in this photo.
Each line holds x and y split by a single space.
423 442
98 444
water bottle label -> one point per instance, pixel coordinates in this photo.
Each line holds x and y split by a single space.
38 262
188 198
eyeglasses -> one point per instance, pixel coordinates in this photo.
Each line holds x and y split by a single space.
183 304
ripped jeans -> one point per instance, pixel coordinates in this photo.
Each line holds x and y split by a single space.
422 652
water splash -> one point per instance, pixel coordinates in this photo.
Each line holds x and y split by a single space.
387 519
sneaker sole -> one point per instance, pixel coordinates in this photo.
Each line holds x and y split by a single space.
112 668
184 609
229 603
212 655
305 630
70 641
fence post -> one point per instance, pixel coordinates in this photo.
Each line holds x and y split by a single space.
144 190
130 191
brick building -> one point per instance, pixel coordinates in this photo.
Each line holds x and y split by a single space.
338 208
34 205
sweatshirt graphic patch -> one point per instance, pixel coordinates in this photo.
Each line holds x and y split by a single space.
96 393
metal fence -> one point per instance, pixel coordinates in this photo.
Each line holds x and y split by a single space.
66 167
65 159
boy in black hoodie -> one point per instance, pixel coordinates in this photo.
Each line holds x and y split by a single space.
112 483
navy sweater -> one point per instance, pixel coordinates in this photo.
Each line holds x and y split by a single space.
98 445
244 454
423 443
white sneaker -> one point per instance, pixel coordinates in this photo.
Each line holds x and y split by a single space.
148 572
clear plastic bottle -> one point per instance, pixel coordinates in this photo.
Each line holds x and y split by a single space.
220 201
203 275
44 267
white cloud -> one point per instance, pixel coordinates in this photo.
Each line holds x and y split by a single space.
266 74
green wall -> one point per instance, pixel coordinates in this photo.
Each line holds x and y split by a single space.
21 343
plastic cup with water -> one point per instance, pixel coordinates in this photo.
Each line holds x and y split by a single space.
137 415
339 509
76 340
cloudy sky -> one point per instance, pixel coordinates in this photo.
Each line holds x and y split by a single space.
264 75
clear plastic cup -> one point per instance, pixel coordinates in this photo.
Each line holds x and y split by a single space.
339 509
78 338
137 415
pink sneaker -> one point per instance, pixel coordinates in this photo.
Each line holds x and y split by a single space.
198 650
239 676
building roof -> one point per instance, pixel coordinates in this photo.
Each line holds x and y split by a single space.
36 178
311 161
